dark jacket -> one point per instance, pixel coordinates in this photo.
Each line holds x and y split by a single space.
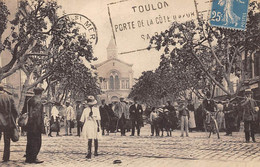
208 105
248 113
229 110
7 110
104 113
136 112
36 115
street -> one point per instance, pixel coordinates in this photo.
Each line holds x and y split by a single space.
144 150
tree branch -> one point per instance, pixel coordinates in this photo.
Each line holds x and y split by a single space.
209 75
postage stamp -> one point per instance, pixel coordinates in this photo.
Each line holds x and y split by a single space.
229 14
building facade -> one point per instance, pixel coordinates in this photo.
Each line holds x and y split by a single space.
115 75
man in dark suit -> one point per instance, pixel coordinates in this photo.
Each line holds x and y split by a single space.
136 116
7 110
35 127
103 109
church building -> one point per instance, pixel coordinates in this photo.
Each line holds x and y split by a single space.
117 75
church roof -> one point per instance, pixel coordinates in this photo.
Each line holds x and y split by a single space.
112 44
115 59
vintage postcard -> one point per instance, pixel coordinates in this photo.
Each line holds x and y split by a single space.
129 83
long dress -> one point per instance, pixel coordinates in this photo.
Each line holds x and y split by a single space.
192 123
89 130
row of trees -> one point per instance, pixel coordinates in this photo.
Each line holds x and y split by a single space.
197 55
48 48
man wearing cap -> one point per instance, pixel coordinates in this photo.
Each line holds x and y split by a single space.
8 109
69 118
136 115
121 111
250 116
35 126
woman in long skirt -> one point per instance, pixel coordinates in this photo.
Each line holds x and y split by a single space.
91 128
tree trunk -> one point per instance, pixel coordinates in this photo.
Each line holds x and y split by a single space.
23 94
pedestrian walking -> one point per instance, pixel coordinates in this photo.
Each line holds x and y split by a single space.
192 123
8 115
91 128
229 117
55 118
136 116
121 111
250 116
79 109
35 127
184 117
69 119
105 118
46 124
153 121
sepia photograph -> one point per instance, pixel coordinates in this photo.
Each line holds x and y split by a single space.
129 83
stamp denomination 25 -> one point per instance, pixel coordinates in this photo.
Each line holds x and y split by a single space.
229 13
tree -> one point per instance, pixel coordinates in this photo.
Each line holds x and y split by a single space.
44 45
218 52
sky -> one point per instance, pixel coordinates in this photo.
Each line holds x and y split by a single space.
127 39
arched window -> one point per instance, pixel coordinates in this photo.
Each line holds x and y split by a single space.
114 82
117 83
111 82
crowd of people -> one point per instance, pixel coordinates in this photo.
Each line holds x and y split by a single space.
93 120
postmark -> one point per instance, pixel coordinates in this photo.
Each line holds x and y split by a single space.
229 14
86 27
140 20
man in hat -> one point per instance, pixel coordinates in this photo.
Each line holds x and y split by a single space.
208 105
136 115
250 116
121 111
7 109
69 118
184 117
55 116
229 117
103 109
172 114
35 126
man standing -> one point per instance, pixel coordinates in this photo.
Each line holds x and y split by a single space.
35 126
208 105
55 119
250 116
103 109
121 111
184 117
69 118
136 115
172 114
79 110
229 117
7 110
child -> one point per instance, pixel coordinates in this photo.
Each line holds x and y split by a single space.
154 126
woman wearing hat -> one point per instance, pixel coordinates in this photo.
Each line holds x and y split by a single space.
91 128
